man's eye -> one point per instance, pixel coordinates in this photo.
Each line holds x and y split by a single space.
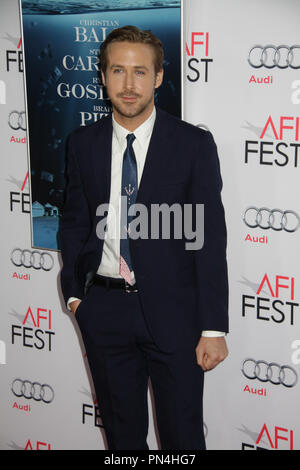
117 70
140 72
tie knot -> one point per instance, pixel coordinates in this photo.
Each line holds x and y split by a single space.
130 138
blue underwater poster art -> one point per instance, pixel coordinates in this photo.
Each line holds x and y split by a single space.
61 41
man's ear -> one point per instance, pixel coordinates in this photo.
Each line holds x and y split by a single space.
159 78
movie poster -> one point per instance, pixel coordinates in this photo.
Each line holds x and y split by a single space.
61 41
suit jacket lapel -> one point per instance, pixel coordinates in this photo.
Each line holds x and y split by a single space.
156 158
101 158
155 164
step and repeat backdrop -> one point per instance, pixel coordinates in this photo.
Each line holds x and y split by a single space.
241 80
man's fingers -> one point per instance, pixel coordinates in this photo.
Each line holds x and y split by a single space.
74 305
207 362
211 362
210 352
201 360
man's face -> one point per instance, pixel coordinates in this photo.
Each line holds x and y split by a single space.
131 80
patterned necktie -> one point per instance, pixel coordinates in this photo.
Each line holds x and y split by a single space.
129 189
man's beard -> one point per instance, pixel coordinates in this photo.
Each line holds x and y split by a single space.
131 111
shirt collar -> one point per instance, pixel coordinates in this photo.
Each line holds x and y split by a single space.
141 133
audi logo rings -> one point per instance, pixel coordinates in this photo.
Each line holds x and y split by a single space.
266 218
271 56
269 372
32 390
32 259
17 120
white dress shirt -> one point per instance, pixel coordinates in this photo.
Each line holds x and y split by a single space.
110 261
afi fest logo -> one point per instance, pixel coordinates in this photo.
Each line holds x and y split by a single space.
14 57
278 142
34 336
20 198
38 445
272 438
197 50
268 305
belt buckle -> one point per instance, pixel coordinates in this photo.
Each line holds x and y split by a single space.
129 288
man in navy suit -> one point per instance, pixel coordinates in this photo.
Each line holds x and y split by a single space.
149 306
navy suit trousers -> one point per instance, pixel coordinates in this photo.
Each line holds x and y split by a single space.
123 356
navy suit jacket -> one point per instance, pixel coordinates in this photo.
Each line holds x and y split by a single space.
182 291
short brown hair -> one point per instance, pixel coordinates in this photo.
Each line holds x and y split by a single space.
133 34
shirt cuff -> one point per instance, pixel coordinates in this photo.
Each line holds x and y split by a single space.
71 299
212 334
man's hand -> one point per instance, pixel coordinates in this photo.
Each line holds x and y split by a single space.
74 305
210 352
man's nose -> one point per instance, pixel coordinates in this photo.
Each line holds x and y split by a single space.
129 80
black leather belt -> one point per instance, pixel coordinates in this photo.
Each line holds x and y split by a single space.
113 283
